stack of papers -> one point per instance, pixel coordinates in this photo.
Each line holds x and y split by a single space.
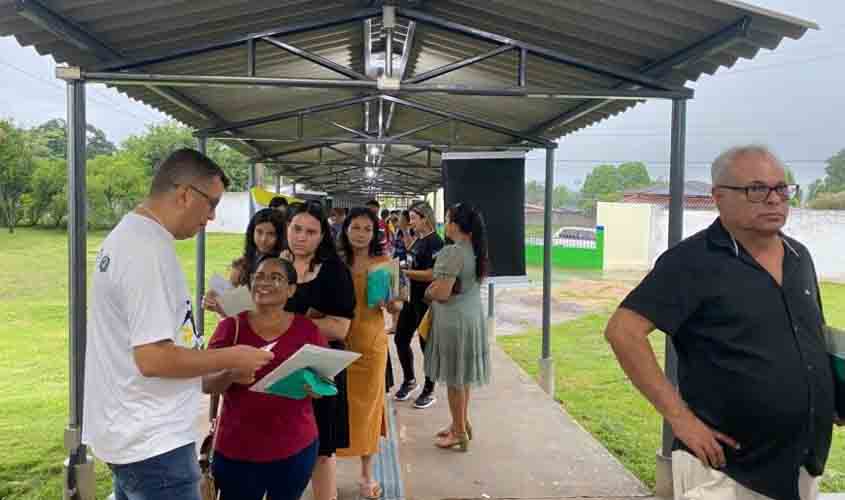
311 365
233 299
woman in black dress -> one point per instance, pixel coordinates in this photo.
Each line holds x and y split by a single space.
325 293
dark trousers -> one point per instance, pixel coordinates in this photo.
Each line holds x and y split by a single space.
409 319
280 480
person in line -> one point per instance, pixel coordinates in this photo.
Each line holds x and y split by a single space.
265 236
265 444
325 294
279 203
385 236
740 300
143 357
336 221
458 351
420 265
360 251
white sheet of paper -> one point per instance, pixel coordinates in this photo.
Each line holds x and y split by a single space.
326 362
236 300
219 284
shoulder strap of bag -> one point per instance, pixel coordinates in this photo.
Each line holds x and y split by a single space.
214 403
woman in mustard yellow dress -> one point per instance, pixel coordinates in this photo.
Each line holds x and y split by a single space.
360 249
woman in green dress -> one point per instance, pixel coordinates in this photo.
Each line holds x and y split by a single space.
458 350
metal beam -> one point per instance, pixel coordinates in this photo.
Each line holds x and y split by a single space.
676 233
250 58
199 312
239 40
300 180
521 77
688 55
472 121
288 114
615 73
545 93
118 78
79 467
342 127
341 140
434 73
279 164
292 151
317 59
547 379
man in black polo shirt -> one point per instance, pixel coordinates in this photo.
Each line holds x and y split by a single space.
741 303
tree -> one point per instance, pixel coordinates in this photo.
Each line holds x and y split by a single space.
162 139
49 180
535 192
115 184
834 181
563 197
814 189
603 180
16 166
634 175
159 141
829 201
51 140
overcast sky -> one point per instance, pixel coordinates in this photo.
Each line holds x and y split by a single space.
792 99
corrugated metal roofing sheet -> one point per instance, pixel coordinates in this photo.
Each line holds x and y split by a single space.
622 34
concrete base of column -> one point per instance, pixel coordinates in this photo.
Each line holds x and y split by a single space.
663 486
86 484
547 376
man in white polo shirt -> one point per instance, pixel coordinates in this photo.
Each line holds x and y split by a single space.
143 358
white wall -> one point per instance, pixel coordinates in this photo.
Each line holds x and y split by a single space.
821 231
626 236
232 214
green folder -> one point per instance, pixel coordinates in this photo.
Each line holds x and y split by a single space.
293 386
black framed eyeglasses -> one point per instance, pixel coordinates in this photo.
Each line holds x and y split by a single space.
212 202
758 193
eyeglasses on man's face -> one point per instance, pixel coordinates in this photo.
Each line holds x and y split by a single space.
212 202
759 192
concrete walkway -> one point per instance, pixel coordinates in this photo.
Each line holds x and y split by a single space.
526 447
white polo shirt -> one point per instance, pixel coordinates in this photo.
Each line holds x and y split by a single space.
138 296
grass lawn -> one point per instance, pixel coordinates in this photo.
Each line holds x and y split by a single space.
595 391
34 359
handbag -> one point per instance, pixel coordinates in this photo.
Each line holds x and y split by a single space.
208 489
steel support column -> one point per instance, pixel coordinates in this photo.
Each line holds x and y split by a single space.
676 232
547 373
79 466
199 316
252 183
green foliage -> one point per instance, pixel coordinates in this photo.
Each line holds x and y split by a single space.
116 183
50 140
535 194
790 179
162 139
835 180
49 182
607 182
829 201
16 166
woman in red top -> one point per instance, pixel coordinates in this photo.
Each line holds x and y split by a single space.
265 444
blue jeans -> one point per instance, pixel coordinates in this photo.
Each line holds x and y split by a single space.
173 475
281 480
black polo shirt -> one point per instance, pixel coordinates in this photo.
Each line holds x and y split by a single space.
752 361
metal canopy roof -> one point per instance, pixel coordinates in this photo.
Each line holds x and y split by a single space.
301 93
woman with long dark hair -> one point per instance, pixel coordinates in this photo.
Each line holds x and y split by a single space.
458 350
326 295
265 236
360 249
